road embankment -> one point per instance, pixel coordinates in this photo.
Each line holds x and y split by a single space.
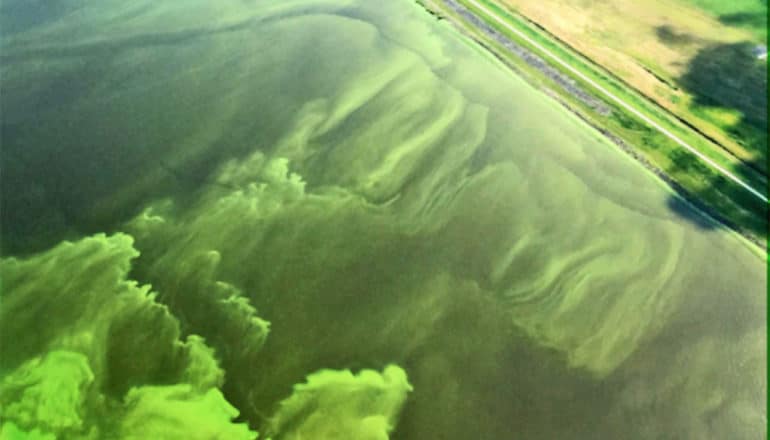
587 103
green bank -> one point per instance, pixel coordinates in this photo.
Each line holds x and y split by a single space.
694 179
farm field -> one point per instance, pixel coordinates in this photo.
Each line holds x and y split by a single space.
693 57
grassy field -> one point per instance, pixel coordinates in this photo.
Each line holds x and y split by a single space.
747 14
693 57
720 196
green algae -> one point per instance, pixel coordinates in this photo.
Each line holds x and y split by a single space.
352 186
119 369
362 406
90 370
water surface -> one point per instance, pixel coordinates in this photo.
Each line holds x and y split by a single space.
315 186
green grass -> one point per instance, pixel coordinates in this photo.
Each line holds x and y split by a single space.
746 14
730 78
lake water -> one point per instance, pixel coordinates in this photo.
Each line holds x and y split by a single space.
317 186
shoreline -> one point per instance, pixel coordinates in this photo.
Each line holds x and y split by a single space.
697 204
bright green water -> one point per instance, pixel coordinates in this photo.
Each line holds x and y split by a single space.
316 186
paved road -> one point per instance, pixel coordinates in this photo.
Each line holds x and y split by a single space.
618 101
